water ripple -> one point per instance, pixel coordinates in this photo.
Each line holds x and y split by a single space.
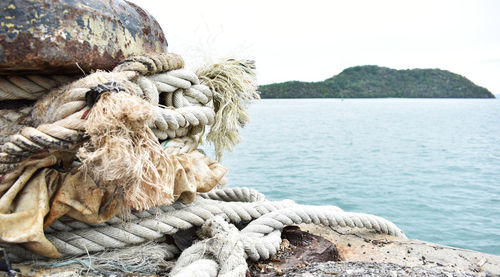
432 166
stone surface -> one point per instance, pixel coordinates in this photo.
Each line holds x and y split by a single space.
363 246
362 269
298 249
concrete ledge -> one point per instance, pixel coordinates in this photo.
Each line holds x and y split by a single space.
361 246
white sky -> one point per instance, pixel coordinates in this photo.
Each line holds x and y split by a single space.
311 40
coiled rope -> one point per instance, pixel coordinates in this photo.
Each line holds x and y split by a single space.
64 129
260 239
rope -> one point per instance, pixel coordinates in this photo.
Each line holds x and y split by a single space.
234 195
188 105
223 245
260 239
226 249
30 87
263 229
76 238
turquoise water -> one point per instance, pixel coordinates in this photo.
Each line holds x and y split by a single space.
432 166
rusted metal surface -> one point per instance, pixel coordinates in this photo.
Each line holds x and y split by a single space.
297 249
53 36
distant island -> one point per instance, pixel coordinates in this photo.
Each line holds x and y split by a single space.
370 81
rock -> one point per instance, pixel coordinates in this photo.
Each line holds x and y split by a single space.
298 249
306 251
310 248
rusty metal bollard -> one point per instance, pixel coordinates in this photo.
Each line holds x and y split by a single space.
68 36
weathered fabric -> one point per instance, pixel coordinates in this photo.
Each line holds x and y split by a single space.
35 195
24 203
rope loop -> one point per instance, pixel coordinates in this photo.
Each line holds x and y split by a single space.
182 106
93 95
259 240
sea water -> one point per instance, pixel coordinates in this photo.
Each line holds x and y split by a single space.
431 166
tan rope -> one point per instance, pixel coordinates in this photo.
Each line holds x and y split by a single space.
178 88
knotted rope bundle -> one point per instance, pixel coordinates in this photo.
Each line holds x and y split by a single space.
159 79
91 148
222 247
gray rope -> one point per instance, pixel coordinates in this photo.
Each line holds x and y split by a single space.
223 245
226 249
261 236
76 238
234 194
30 87
263 229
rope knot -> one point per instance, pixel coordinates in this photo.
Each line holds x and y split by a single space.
223 242
215 226
93 95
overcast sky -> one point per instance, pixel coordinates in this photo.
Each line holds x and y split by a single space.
311 40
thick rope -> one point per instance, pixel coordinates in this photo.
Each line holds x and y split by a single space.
262 230
234 195
261 237
189 105
225 250
30 87
76 238
223 245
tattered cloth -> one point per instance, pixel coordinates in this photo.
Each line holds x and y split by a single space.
34 196
111 161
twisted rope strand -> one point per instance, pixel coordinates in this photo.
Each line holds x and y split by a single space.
30 87
261 237
190 105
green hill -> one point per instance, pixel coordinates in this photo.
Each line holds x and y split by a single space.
370 81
